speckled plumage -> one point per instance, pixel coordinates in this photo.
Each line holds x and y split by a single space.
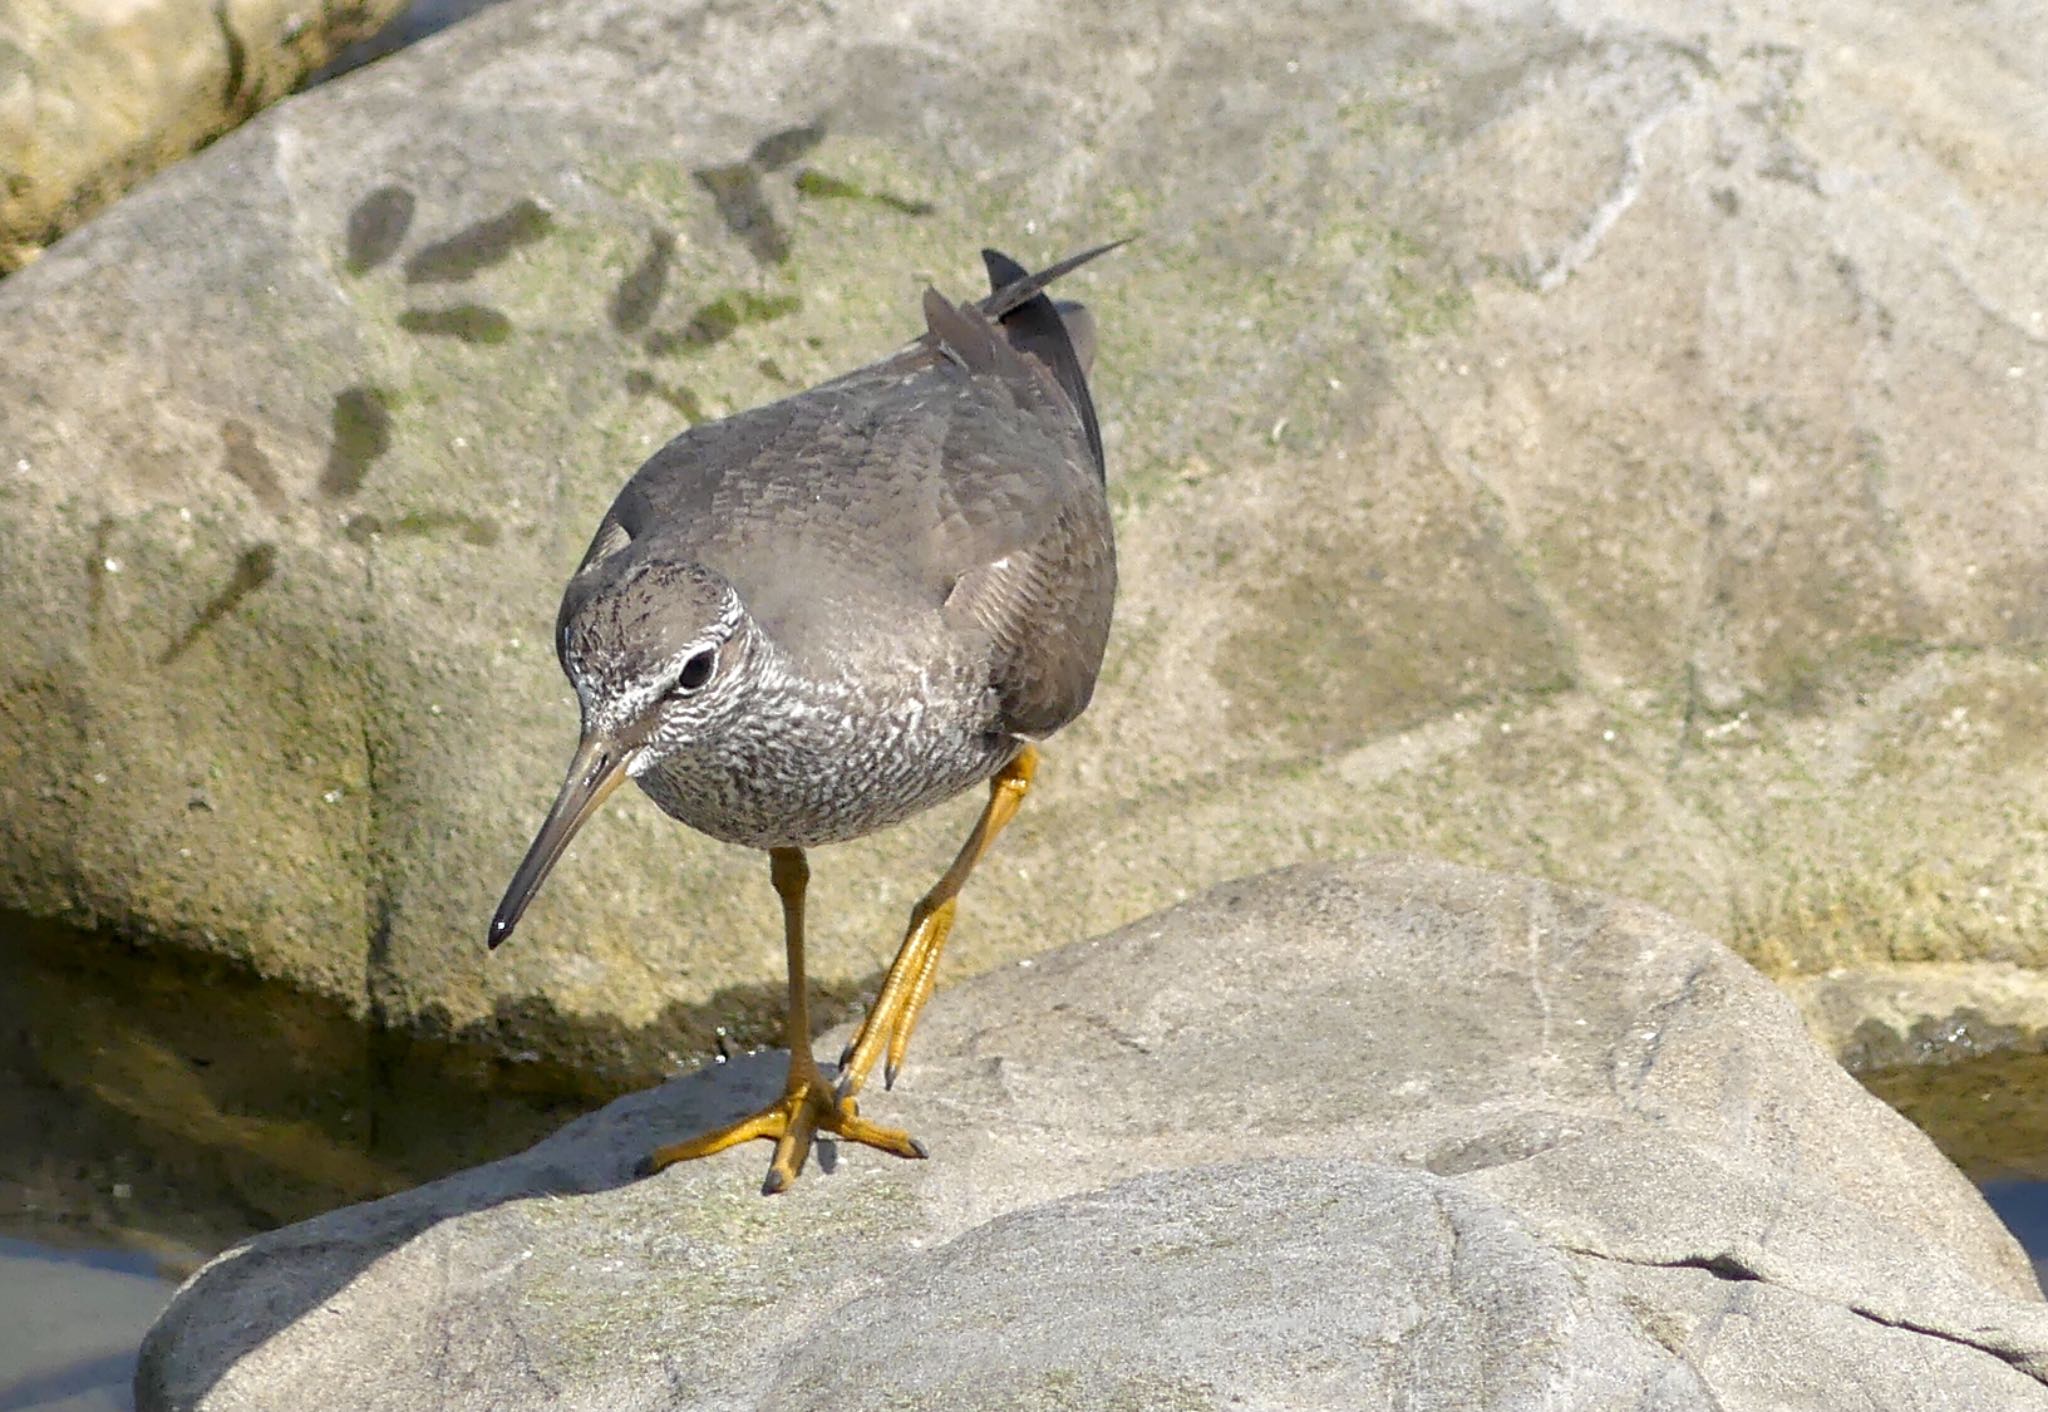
815 619
904 573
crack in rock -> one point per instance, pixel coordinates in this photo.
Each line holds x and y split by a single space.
1627 188
1724 1265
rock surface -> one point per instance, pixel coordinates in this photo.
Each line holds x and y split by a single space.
1880 1017
1598 439
1391 1133
97 94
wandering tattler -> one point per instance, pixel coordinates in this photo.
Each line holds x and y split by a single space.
817 618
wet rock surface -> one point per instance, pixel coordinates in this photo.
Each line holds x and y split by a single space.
1388 1132
1595 440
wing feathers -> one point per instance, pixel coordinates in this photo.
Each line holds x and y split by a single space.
1033 325
970 342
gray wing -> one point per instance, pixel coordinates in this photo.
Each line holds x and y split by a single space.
956 479
1047 610
1045 603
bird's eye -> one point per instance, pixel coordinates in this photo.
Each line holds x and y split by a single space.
697 670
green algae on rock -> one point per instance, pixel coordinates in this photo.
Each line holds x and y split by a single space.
1602 444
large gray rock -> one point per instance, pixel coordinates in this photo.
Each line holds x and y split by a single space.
1387 1134
97 94
1599 439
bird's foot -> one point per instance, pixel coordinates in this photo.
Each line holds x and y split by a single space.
808 1106
893 1018
915 971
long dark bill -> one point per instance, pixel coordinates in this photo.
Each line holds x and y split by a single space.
598 769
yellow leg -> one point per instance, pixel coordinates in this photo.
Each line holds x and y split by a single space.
915 971
808 1105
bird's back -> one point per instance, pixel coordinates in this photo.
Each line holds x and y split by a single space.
945 502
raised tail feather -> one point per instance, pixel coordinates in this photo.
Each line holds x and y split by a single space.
1033 324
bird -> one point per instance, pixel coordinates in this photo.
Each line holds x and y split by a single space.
814 619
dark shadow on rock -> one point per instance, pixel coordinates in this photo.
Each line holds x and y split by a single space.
244 459
377 227
743 206
742 203
235 99
429 524
97 1373
477 247
253 569
472 323
819 185
640 383
779 149
639 293
362 433
718 320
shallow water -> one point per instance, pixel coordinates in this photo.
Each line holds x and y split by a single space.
416 22
1990 1115
158 1102
155 1109
70 1322
2023 1206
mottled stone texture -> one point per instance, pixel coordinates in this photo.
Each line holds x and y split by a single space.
1386 1134
1600 439
97 94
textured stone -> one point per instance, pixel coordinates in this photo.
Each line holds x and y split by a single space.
97 94
1876 1017
1600 440
1391 1133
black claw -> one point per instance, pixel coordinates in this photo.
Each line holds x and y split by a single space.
918 1148
775 1185
846 1056
889 1072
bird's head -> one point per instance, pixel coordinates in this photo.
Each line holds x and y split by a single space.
660 651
